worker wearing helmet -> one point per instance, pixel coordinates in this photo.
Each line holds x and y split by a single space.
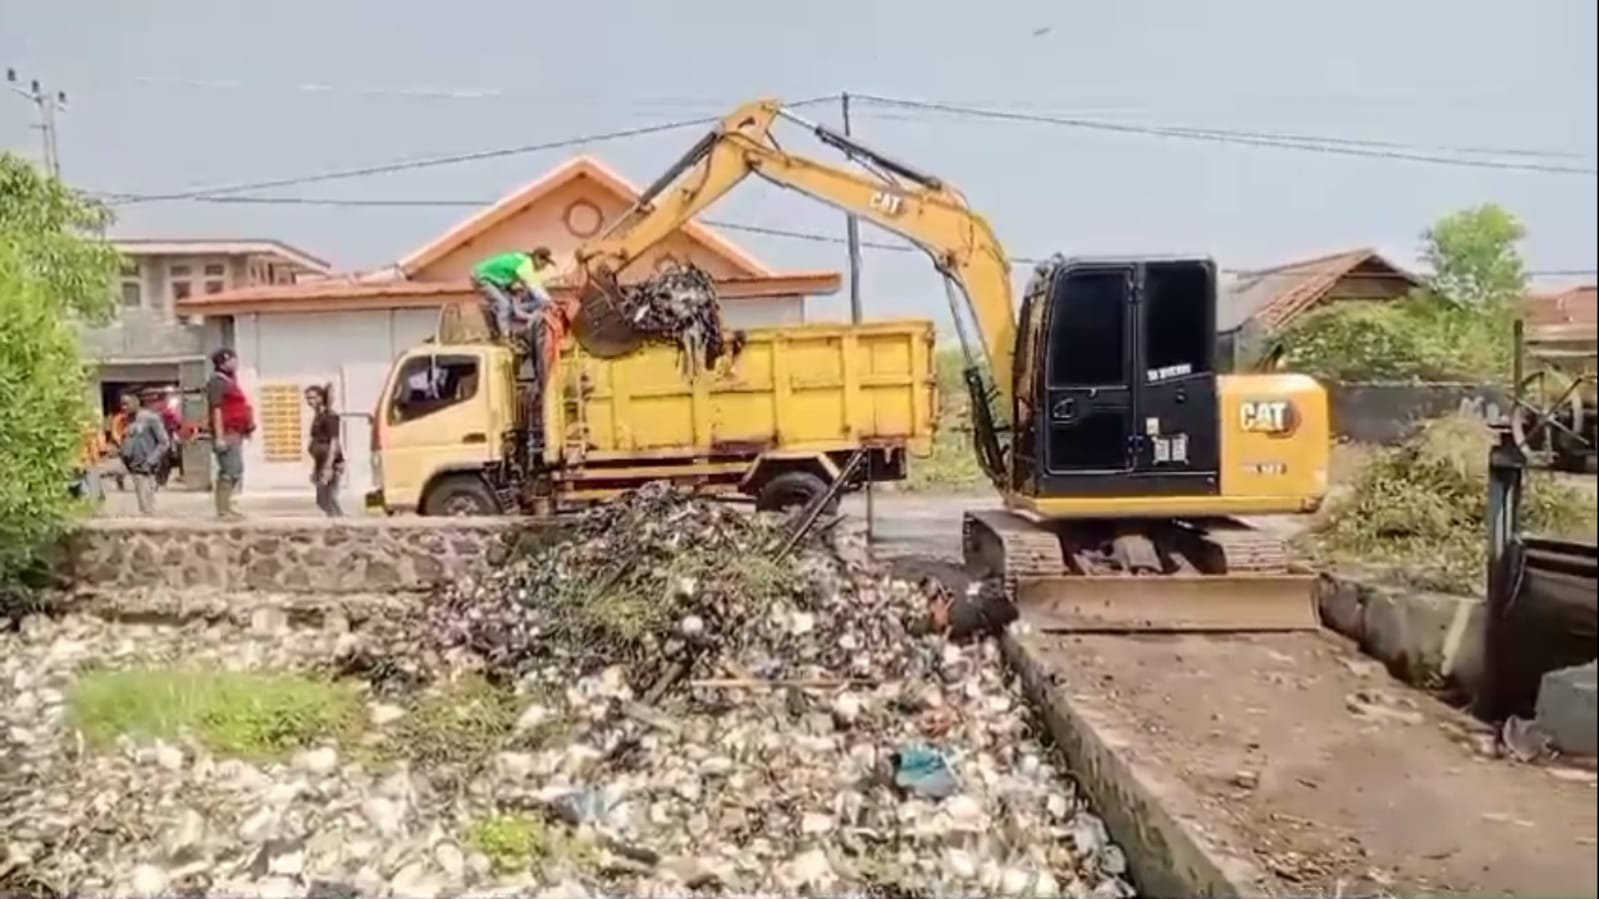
501 278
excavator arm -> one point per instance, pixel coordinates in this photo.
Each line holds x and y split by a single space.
916 206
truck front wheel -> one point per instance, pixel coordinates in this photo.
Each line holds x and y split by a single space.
461 494
792 491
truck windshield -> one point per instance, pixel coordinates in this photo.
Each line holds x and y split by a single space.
429 384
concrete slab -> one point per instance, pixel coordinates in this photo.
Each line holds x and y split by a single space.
1568 709
1426 638
1288 764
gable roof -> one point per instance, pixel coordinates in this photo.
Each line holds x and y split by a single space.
574 168
1275 296
156 246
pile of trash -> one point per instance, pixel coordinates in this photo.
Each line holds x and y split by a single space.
711 716
680 306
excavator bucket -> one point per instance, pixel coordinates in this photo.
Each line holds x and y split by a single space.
600 326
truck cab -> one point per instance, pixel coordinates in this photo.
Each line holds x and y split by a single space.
459 429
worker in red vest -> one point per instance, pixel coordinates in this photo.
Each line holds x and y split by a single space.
232 423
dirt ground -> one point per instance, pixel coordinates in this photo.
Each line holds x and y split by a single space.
1334 779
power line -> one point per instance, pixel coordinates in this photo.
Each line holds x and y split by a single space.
785 233
910 115
423 162
1225 136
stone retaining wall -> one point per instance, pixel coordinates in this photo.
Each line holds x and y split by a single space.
284 555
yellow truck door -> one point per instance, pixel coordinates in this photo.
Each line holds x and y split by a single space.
444 410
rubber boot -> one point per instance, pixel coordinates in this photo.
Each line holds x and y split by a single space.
224 501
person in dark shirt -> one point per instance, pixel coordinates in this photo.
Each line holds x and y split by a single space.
326 449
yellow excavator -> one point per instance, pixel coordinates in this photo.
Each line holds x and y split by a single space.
1125 460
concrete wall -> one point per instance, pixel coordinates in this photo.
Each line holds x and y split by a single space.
1388 413
350 350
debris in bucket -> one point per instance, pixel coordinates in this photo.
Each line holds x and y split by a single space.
680 306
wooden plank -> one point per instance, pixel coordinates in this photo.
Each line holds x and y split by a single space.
1174 603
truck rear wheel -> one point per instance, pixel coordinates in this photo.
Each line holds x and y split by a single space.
460 494
792 491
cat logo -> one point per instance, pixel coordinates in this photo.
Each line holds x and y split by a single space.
1274 417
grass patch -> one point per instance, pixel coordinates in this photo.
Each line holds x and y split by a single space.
1420 510
460 725
518 842
250 714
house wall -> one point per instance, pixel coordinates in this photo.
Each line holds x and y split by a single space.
545 223
350 350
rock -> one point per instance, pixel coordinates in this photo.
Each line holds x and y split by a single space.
259 826
514 765
960 864
381 714
813 823
386 816
147 880
167 757
531 718
846 709
808 869
451 860
322 760
186 834
413 882
1245 779
1568 709
289 863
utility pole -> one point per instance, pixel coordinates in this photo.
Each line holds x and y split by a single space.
48 104
852 233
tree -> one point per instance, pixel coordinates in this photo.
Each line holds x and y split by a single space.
1457 327
54 267
1474 258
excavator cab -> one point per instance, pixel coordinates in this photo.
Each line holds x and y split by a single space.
1117 360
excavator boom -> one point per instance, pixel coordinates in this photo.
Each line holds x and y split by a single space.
896 196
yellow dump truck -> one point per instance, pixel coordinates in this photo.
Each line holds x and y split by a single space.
457 431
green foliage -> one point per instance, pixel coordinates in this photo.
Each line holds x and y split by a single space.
517 842
1456 329
1473 257
59 234
49 272
953 463
256 715
1420 509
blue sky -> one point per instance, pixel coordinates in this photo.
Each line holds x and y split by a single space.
174 94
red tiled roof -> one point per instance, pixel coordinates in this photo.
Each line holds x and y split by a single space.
1573 306
522 198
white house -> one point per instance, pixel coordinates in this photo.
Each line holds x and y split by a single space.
346 330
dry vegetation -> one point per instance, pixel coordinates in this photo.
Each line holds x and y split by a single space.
1419 511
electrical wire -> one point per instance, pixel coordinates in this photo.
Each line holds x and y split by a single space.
1224 136
785 233
422 162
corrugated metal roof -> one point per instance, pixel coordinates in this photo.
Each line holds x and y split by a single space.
1275 296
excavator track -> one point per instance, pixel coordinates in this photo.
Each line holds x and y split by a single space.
1215 575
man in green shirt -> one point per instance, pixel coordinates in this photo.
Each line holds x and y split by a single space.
504 278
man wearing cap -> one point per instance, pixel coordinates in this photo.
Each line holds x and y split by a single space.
232 422
144 446
502 277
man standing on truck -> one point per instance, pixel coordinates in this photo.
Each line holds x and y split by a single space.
232 421
501 276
